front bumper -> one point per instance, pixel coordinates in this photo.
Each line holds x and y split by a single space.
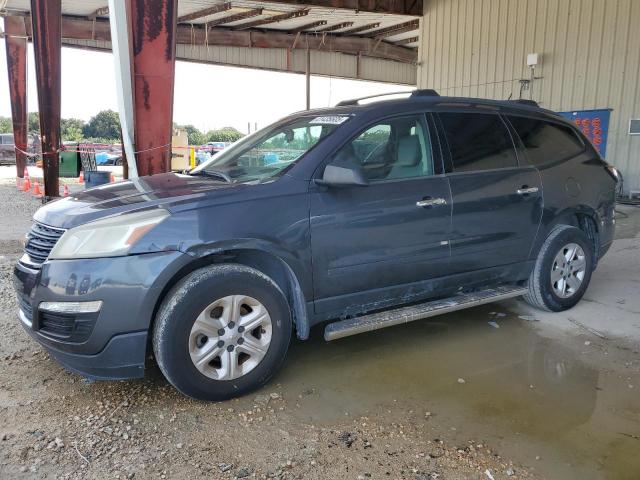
110 344
122 358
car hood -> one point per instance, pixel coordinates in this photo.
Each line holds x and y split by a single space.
162 190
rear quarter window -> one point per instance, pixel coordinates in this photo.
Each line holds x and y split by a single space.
546 142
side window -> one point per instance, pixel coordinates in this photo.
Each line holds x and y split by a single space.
546 142
478 141
393 149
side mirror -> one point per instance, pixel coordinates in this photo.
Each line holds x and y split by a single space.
342 176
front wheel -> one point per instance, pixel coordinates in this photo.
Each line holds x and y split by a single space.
222 332
562 271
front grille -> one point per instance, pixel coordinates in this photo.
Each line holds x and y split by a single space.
71 328
40 241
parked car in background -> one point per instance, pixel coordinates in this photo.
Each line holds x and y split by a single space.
205 152
364 216
7 149
215 147
105 157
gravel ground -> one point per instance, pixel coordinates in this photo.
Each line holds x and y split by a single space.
404 405
55 424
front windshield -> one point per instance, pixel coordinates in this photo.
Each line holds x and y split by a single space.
268 152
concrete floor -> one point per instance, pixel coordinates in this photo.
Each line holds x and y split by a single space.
555 394
611 305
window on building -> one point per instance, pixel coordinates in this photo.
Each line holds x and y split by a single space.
478 141
393 149
546 142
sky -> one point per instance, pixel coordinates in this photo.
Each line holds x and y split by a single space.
207 96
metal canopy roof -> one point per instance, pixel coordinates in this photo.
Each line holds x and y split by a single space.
379 38
316 18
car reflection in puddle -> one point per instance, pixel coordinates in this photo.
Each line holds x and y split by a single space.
530 394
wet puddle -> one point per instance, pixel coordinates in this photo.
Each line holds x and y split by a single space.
529 395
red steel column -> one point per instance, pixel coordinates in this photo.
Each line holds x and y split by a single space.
47 43
16 44
153 38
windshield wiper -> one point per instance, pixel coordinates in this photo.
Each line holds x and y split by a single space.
214 174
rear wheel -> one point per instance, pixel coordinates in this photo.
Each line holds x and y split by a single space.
222 332
562 271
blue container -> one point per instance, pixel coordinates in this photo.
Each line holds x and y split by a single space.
95 178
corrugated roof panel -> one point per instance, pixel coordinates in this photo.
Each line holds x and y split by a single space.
322 63
69 7
331 15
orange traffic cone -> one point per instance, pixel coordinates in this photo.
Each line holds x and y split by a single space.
36 189
112 178
20 182
81 177
65 192
26 184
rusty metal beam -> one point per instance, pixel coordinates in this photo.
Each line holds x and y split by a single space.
153 40
271 39
395 29
16 45
406 41
83 29
308 26
338 26
274 19
205 12
397 7
47 45
235 17
100 12
361 28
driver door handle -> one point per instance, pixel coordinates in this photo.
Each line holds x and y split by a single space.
430 202
527 190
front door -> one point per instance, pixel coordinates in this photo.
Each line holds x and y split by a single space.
377 243
497 204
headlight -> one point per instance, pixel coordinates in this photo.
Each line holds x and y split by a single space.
111 237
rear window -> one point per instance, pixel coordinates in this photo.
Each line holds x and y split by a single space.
478 141
546 142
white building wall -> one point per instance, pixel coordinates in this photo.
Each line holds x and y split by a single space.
590 58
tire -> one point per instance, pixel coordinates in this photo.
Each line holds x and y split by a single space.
214 295
556 296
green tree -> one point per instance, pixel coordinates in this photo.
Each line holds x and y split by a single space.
6 126
106 124
196 137
226 134
71 129
34 122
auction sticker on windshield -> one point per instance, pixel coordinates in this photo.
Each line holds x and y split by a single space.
329 120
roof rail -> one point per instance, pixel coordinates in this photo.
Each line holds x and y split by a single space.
523 101
411 93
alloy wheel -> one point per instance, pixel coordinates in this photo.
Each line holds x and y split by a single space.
568 270
230 337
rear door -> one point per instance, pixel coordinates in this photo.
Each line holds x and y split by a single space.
370 242
497 202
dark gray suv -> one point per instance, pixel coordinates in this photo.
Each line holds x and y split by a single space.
360 216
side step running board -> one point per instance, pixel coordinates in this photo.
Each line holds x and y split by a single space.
375 321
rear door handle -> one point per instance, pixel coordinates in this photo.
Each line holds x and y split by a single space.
430 202
527 190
